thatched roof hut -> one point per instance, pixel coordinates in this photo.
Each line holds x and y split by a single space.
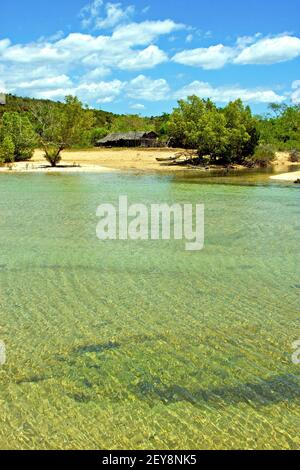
129 139
2 98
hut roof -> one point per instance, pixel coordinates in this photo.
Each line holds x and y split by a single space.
137 135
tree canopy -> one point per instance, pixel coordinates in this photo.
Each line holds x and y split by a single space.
281 127
17 137
59 128
226 135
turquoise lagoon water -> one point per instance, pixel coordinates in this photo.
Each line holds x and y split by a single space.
142 345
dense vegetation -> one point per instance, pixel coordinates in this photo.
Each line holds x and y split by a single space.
221 135
228 135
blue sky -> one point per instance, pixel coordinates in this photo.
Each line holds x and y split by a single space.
140 56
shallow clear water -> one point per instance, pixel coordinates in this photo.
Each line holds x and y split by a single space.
142 344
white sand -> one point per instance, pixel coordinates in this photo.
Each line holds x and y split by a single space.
293 176
28 167
100 160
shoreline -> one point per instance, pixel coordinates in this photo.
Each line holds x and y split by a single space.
139 160
23 167
292 176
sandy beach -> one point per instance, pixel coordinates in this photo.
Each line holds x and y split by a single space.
138 159
293 176
98 160
42 167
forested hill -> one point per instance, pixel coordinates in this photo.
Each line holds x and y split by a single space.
23 105
104 121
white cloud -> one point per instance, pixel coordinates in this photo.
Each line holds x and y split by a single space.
145 88
140 88
44 68
101 92
53 37
214 57
247 50
89 12
130 47
33 53
244 41
50 82
295 95
230 93
114 15
145 32
79 63
144 59
96 74
2 87
296 84
137 106
108 51
270 51
100 15
4 44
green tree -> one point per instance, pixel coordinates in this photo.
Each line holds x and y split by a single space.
20 131
61 126
97 133
282 127
227 135
186 121
132 122
243 136
263 156
7 150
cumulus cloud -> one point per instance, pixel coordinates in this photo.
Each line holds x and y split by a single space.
244 41
79 63
90 12
137 106
129 48
4 44
144 59
100 50
230 93
214 57
96 74
296 84
100 15
139 88
145 32
295 95
247 50
145 88
115 14
100 92
270 51
50 82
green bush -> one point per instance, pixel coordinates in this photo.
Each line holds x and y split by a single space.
19 130
7 150
61 127
97 133
228 134
53 156
263 156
